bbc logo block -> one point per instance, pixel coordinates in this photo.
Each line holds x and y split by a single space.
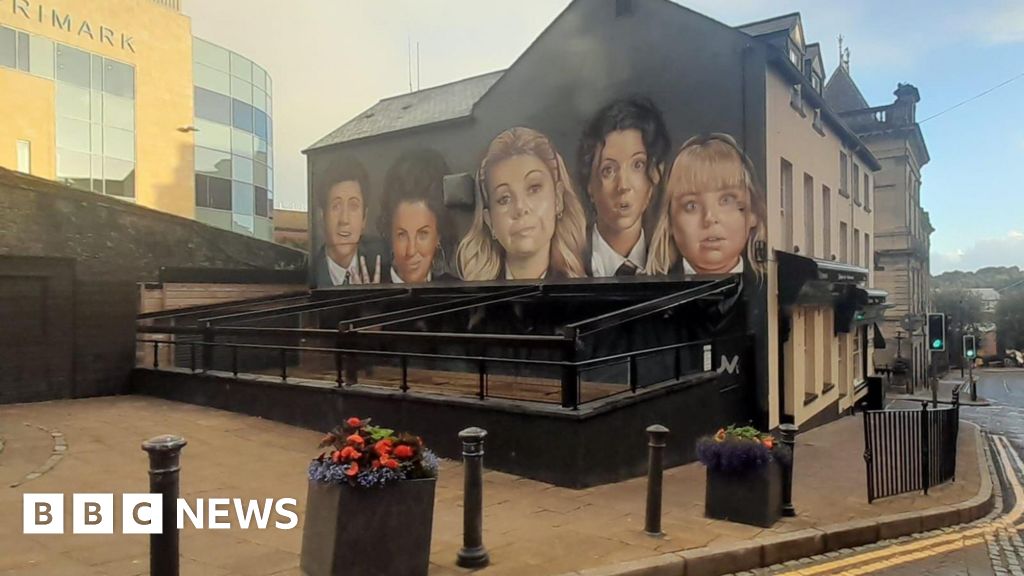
92 513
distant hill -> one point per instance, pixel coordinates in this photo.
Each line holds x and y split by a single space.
998 277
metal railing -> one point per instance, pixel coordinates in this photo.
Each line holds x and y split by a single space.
910 450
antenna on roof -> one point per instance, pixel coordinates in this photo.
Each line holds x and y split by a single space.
408 52
844 55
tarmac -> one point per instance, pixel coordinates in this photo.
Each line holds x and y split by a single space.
530 528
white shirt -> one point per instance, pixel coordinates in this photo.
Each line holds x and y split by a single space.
509 276
339 273
604 260
396 279
737 269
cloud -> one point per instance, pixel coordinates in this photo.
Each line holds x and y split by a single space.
1000 25
1006 250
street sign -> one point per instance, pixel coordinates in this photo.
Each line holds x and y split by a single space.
937 332
970 349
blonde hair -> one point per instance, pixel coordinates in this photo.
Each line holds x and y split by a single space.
480 256
711 162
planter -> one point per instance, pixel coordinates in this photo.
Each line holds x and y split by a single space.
368 531
753 497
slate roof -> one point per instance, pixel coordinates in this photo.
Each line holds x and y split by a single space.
842 94
771 25
427 106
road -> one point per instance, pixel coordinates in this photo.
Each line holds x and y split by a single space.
992 546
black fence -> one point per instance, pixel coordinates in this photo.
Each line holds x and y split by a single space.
910 450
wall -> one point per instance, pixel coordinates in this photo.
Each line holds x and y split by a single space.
162 57
35 122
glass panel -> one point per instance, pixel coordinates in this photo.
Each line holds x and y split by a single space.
118 143
72 102
241 169
212 79
118 112
96 105
261 201
213 162
73 135
8 47
97 174
260 149
259 77
243 223
241 198
24 152
213 106
72 66
22 51
259 99
241 115
41 56
241 90
96 131
270 155
119 177
220 193
241 67
270 129
202 198
241 143
213 135
270 105
259 176
118 79
210 54
260 124
270 178
73 168
97 72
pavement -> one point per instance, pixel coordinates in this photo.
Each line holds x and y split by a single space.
944 392
531 528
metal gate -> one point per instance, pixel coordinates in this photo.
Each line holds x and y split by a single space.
908 450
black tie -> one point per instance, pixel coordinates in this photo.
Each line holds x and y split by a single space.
627 269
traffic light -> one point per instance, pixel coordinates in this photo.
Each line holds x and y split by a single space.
937 332
970 349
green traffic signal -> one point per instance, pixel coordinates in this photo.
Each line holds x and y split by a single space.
970 353
937 343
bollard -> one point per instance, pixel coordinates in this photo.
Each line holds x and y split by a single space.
164 466
473 554
656 435
788 434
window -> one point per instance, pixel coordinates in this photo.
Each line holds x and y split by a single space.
40 60
843 190
241 169
213 192
260 149
261 126
259 77
23 45
867 191
24 151
118 177
213 135
826 218
858 369
240 67
74 135
261 202
241 115
856 247
213 162
869 261
856 183
809 214
118 112
73 66
118 79
241 143
827 331
260 174
786 211
8 47
816 122
241 90
810 376
210 55
212 106
844 243
211 79
259 99
844 371
796 99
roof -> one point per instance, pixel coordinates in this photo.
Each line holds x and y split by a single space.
771 25
428 106
841 92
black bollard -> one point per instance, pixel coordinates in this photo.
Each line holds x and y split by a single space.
164 465
473 554
656 435
788 433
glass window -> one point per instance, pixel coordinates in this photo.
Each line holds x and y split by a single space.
24 150
270 178
241 67
243 223
96 105
96 131
213 162
119 177
270 104
259 77
270 155
242 198
118 143
210 55
213 135
118 79
73 135
270 129
212 79
73 102
260 125
96 69
259 176
202 197
241 143
220 193
22 51
241 169
118 112
259 99
8 47
213 106
73 66
261 201
41 56
73 168
241 114
97 173
260 149
241 90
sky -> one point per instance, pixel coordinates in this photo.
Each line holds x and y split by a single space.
332 59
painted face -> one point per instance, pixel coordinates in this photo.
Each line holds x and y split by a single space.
344 221
522 205
414 239
711 227
620 187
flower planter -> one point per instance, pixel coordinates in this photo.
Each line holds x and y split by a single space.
368 531
751 497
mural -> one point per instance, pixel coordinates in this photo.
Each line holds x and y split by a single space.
633 205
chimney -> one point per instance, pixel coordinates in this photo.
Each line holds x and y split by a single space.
905 107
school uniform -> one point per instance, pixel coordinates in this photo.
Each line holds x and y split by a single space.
605 261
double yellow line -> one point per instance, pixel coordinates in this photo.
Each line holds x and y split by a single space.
897 554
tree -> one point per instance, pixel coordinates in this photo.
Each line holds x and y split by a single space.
1010 322
964 311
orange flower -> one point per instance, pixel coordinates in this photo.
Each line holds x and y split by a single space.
383 447
404 452
720 435
349 453
355 439
336 456
354 422
769 442
388 462
352 469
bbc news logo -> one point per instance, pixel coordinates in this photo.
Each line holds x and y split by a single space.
144 513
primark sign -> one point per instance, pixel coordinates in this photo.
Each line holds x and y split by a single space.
72 24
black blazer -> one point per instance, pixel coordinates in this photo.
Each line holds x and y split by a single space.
369 248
